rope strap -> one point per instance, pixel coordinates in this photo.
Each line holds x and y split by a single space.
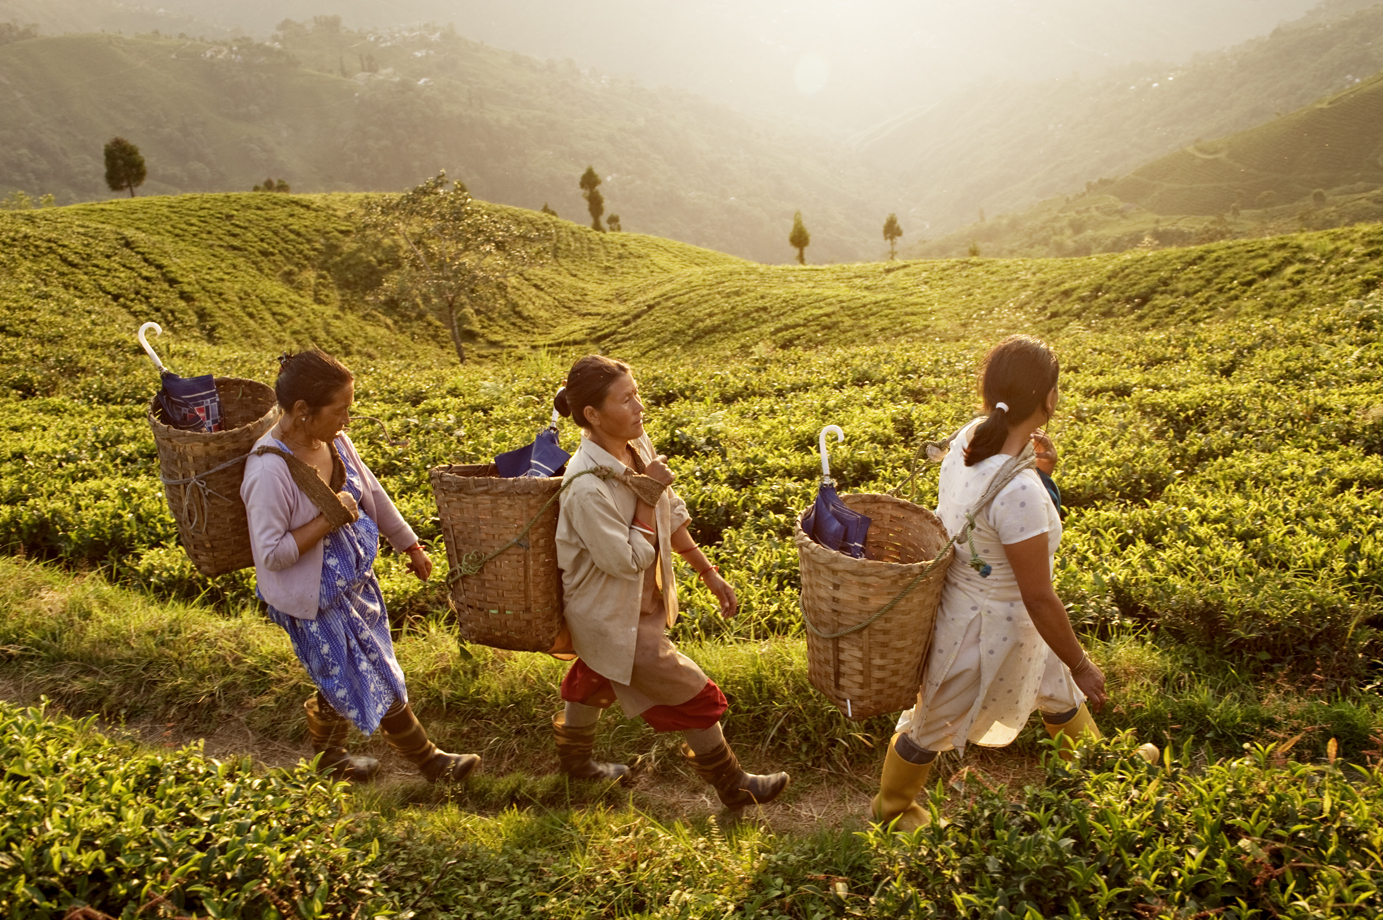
195 492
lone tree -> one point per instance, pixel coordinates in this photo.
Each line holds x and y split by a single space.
459 255
595 202
891 233
613 223
799 238
124 165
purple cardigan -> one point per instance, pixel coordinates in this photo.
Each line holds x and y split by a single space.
276 506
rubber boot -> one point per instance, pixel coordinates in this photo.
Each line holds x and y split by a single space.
1069 732
405 734
328 729
736 788
899 785
574 747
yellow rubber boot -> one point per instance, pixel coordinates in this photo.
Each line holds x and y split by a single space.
898 789
1070 732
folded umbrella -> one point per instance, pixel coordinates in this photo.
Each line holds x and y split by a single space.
828 521
544 457
190 403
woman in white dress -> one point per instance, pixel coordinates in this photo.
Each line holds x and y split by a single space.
1003 643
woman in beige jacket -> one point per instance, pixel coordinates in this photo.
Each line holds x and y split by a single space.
618 520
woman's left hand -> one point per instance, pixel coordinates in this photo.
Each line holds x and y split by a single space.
724 592
419 563
1045 450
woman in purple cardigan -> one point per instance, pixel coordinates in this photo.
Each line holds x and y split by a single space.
318 578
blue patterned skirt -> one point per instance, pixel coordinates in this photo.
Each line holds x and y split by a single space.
347 649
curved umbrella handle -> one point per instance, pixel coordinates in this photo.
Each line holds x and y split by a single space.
555 414
821 443
149 349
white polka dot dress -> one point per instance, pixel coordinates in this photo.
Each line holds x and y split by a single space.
988 668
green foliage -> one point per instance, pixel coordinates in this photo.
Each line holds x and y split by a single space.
892 232
590 190
1113 836
124 166
92 822
19 201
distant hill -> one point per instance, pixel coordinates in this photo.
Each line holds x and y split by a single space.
1318 167
1005 146
327 109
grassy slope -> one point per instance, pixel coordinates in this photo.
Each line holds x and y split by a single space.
1191 402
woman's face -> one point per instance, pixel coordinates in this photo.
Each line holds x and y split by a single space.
620 416
330 420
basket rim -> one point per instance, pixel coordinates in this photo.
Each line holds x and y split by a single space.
164 430
806 544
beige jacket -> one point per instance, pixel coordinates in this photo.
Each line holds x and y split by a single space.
603 559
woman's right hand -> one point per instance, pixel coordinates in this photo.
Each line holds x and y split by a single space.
1090 680
660 471
348 501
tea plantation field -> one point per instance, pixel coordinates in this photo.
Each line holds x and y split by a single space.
1221 441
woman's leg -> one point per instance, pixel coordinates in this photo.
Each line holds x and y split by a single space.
710 756
586 695
907 768
328 729
405 734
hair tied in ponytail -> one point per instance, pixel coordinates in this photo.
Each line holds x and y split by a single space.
1001 407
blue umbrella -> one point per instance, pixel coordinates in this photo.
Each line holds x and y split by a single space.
189 403
828 521
544 457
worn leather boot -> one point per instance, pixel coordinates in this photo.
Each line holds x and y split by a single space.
328 730
405 734
899 785
736 788
574 749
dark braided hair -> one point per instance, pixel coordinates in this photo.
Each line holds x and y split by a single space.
1020 371
588 382
313 376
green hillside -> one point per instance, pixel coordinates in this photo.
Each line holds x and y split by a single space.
1003 147
1221 443
1318 167
331 110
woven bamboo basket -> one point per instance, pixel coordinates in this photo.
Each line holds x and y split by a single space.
877 668
514 601
202 473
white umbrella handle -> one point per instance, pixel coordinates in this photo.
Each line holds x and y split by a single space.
555 414
821 443
149 349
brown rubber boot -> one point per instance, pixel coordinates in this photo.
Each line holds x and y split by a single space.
736 788
574 748
328 729
405 734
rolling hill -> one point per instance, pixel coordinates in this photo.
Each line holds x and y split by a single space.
331 110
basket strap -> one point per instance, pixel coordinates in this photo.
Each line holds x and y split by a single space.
306 478
931 567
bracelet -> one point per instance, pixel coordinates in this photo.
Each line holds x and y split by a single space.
643 530
709 568
1083 665
641 526
413 547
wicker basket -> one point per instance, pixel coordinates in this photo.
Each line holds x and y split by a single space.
515 600
202 472
877 668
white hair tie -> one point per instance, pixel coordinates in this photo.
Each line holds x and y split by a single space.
1001 405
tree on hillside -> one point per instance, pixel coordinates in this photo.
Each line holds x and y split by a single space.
274 185
124 165
459 255
590 190
548 210
799 238
613 223
891 233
